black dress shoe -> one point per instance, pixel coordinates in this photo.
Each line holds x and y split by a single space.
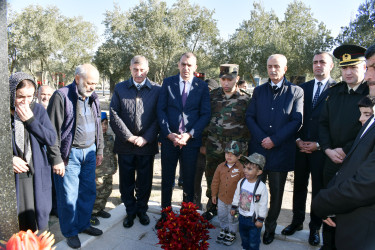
291 229
143 218
128 221
268 237
73 242
103 214
314 238
93 231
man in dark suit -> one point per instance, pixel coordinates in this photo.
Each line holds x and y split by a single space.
183 112
350 195
309 157
273 117
339 119
134 121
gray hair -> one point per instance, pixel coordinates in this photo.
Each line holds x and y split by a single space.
281 56
81 71
188 55
138 59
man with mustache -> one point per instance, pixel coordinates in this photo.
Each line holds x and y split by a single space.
44 95
273 117
75 113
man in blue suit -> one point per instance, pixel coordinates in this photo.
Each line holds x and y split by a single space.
273 117
309 157
183 112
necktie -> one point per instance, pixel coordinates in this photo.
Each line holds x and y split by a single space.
274 88
184 94
317 94
138 86
351 91
181 128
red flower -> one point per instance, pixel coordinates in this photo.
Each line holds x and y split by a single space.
187 230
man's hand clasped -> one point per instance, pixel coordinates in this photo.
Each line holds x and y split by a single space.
179 140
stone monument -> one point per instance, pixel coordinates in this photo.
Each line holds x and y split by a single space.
8 202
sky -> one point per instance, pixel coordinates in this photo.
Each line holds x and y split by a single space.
229 14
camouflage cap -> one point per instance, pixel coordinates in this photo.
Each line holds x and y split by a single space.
255 158
233 147
229 70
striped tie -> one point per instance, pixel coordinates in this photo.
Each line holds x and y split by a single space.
316 96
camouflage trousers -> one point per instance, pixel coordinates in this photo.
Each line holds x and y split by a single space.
103 191
215 154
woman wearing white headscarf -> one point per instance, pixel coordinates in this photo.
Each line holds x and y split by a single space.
31 130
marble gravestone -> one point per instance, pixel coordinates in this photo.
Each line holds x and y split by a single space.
8 202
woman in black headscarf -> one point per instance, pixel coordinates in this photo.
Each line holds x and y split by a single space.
31 130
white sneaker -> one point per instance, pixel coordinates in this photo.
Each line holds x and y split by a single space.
220 238
229 239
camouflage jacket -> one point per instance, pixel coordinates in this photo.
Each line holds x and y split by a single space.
109 164
228 116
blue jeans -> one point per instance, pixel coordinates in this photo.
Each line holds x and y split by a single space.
76 191
250 234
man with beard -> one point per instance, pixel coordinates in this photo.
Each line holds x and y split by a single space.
339 120
309 157
44 95
75 114
350 195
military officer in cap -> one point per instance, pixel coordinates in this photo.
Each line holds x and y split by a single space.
227 123
350 195
339 124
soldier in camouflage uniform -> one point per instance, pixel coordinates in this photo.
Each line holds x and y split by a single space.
104 175
228 110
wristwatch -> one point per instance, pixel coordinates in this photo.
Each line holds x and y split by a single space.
318 146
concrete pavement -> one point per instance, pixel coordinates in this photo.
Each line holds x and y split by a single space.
138 237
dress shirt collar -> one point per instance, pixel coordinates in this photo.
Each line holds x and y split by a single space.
188 85
142 83
188 81
355 88
279 84
324 81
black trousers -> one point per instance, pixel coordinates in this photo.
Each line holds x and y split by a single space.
276 183
169 158
305 164
199 171
141 186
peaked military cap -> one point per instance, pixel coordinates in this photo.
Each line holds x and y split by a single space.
349 54
229 70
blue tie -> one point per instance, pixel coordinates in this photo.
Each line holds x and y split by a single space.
316 96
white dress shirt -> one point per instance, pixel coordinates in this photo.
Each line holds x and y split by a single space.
188 85
324 82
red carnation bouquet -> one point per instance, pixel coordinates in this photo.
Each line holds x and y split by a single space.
186 230
30 241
